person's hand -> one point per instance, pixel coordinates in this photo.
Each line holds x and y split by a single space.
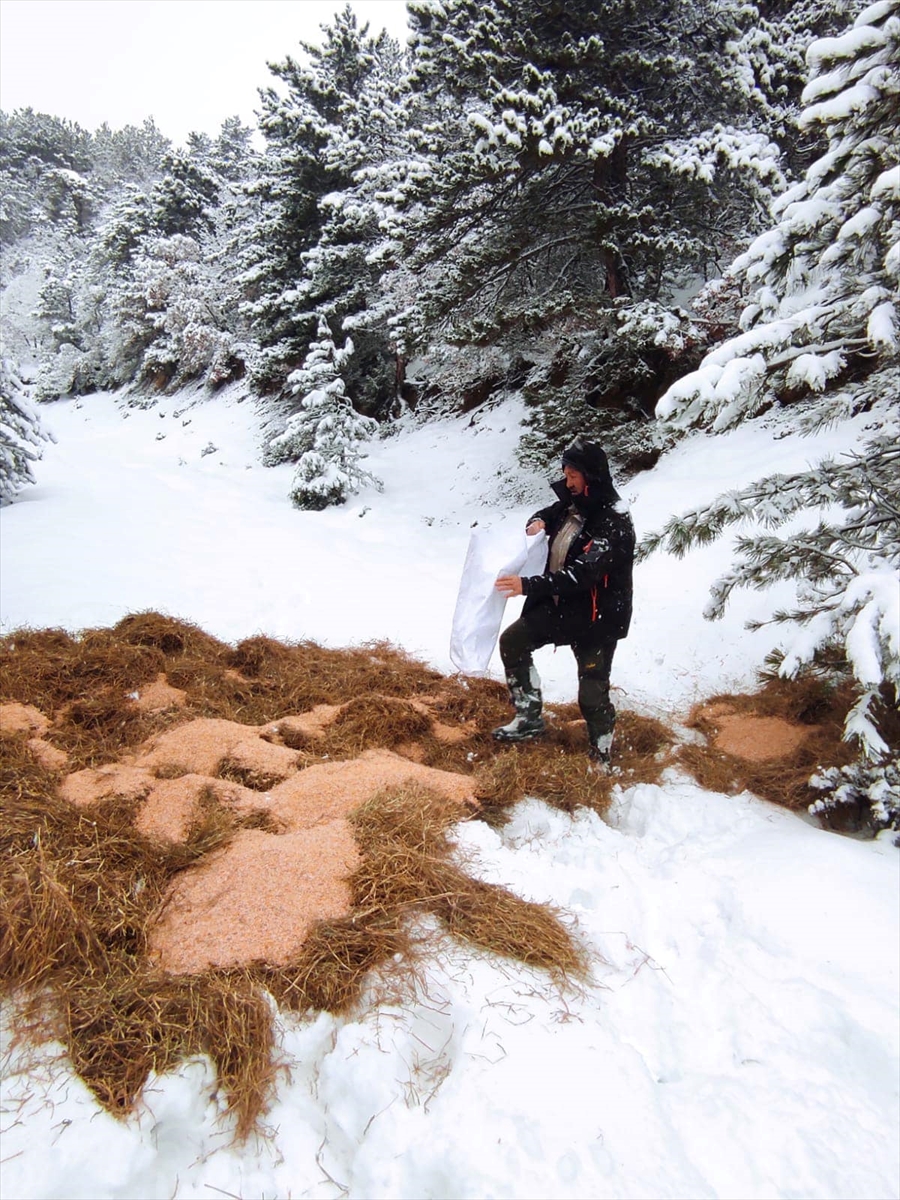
509 585
534 527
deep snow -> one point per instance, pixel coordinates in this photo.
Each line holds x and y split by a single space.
740 1038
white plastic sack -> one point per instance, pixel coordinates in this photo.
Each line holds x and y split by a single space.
502 549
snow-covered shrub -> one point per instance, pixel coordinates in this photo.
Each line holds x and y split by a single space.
318 483
21 433
604 382
326 434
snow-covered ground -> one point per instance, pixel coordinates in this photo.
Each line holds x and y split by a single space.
130 514
740 1038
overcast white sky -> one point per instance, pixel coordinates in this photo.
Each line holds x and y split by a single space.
189 64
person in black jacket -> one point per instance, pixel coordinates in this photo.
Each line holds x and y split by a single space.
582 600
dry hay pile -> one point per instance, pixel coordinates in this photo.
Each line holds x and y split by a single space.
192 829
155 779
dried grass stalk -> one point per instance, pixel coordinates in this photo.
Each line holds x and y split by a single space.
120 1028
367 722
336 959
404 836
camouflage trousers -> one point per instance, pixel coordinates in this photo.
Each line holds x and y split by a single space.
594 658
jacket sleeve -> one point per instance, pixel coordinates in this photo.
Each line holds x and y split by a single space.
548 515
604 559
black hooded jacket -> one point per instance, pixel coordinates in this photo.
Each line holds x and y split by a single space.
592 593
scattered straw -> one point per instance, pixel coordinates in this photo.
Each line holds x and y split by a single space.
154 895
337 957
555 768
375 721
405 843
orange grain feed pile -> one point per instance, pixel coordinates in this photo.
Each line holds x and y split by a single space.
205 744
755 737
258 897
327 790
171 806
159 695
758 739
24 718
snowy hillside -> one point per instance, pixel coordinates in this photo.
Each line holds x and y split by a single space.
739 1036
167 508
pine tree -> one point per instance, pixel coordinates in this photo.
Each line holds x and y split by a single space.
89 315
57 267
847 567
235 163
182 199
625 358
173 305
297 172
824 281
58 251
34 146
232 156
342 270
132 155
21 433
554 180
325 435
822 324
320 371
170 280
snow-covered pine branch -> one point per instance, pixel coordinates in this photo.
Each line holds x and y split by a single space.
21 433
558 150
847 567
823 282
